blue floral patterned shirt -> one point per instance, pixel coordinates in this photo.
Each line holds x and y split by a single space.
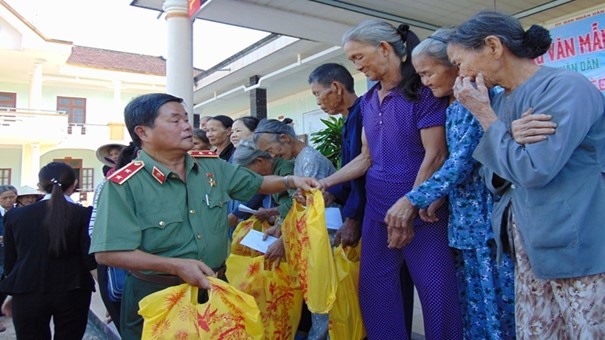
470 200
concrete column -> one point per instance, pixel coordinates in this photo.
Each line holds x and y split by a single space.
179 57
258 100
35 87
30 164
117 114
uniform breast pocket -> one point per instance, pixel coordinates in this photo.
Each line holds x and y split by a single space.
162 230
218 204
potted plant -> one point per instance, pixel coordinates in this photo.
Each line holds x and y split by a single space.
328 141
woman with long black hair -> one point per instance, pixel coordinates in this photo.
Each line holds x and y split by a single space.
47 263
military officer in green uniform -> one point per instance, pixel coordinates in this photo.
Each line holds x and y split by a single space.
163 217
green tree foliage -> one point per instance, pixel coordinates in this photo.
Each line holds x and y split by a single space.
329 140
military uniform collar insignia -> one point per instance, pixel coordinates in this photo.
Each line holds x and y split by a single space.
202 154
158 175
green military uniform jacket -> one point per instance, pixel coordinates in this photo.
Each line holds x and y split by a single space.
156 212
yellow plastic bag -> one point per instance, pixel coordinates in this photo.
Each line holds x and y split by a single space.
275 290
309 253
345 316
242 230
174 313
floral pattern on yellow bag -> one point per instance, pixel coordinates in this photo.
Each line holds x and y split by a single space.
275 290
345 316
174 313
309 253
242 230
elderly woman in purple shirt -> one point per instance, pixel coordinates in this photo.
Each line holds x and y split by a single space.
403 144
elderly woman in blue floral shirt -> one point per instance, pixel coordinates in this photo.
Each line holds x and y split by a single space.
486 288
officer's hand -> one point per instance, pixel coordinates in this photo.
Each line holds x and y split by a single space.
194 272
276 252
348 234
305 183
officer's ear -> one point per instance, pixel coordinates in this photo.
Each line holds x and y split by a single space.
142 132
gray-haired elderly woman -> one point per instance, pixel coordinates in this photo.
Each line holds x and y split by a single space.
248 155
280 140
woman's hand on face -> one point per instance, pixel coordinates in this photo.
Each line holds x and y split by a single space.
475 97
532 128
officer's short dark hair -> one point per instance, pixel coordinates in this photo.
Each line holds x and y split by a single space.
327 73
143 110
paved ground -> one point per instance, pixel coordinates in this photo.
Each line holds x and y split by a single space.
95 329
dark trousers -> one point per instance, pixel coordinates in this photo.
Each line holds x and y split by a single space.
69 311
113 308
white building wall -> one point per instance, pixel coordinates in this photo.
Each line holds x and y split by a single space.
11 158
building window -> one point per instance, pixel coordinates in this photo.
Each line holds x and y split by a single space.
87 179
5 176
75 109
8 101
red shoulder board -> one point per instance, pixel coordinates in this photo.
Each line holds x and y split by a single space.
122 175
202 154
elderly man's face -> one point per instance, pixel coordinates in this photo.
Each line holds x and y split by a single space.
171 130
277 148
328 98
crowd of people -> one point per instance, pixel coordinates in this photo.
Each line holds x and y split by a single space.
472 175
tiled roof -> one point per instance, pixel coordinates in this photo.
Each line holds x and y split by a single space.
118 61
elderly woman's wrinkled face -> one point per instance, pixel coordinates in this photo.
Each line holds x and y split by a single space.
239 131
8 199
262 166
472 62
217 134
279 147
435 75
368 59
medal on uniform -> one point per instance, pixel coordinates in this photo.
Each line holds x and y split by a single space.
211 180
